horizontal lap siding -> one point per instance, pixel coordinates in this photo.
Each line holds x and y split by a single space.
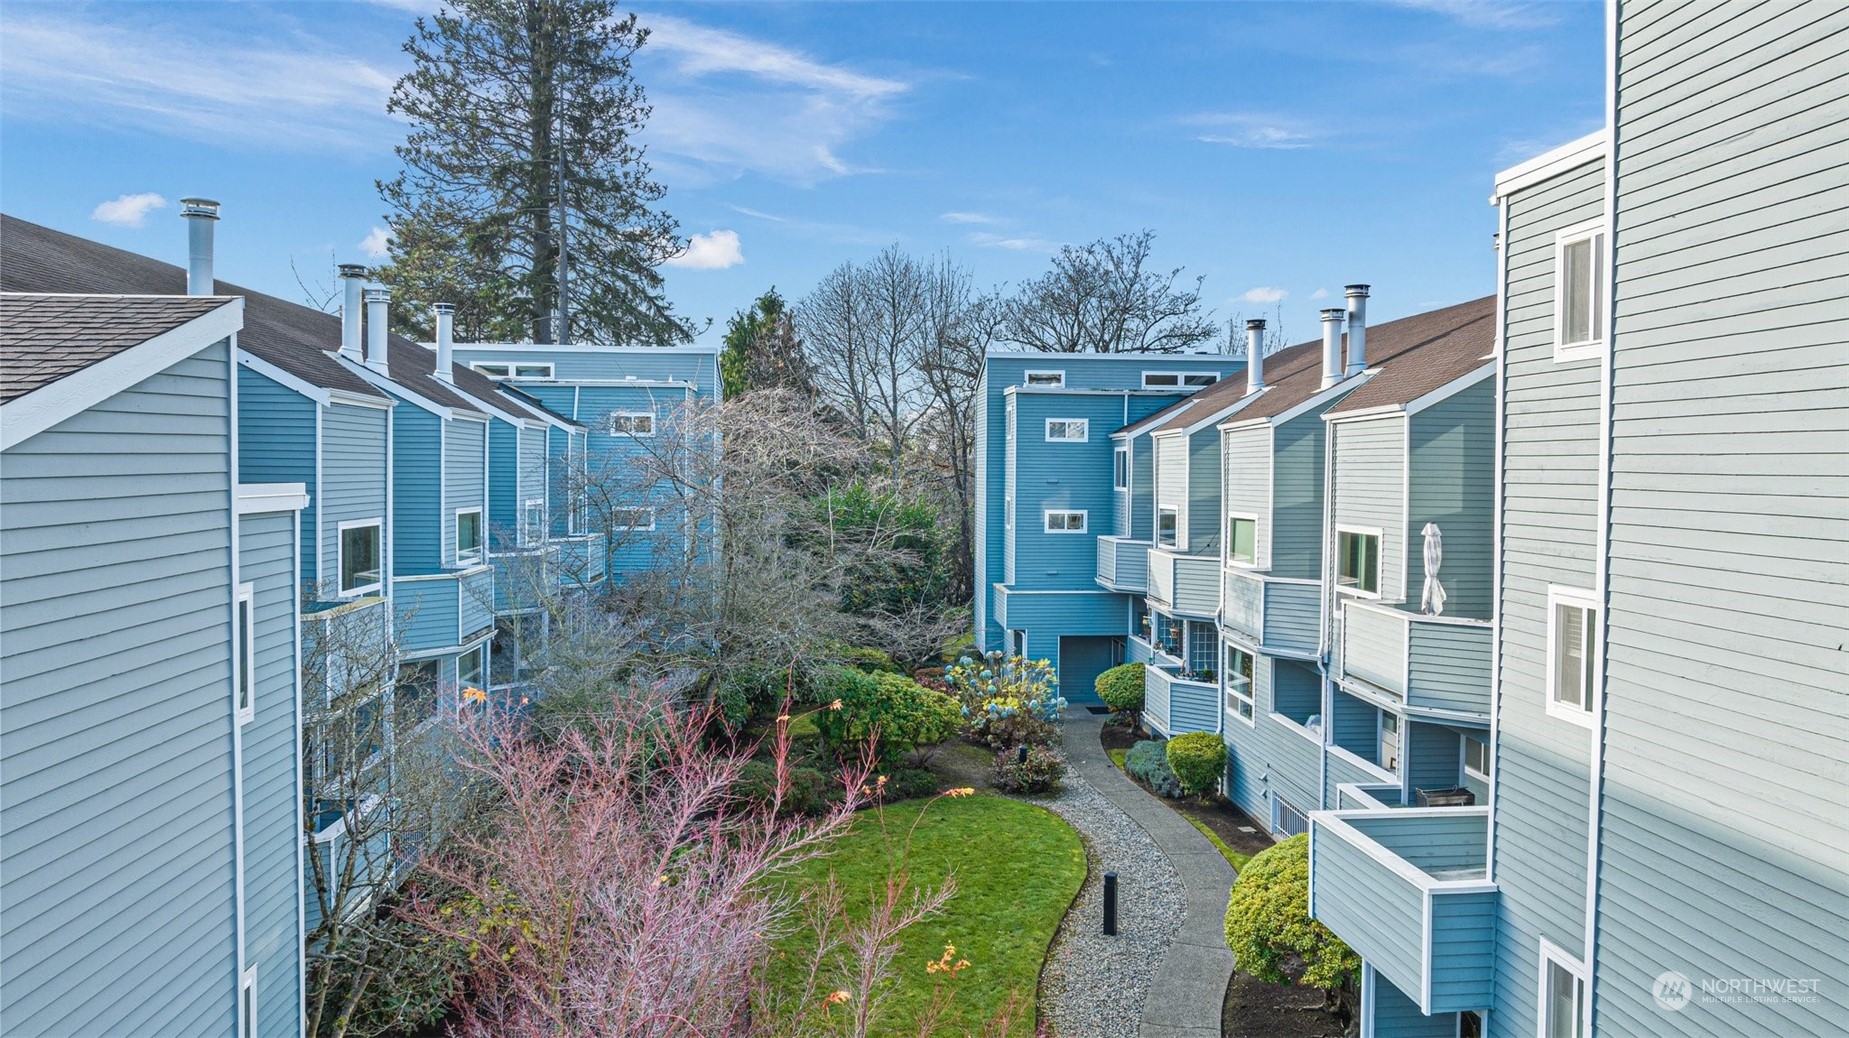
1156 706
427 613
1453 486
1463 950
1725 791
1204 515
1292 615
1243 600
1450 667
475 601
1379 914
1370 491
417 487
1246 464
1397 1015
504 490
1296 772
271 745
353 477
276 444
1432 757
1143 488
1245 751
1549 520
1197 586
1297 508
1060 475
1343 772
1194 708
1374 647
464 476
116 912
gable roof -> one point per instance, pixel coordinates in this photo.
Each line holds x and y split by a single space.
46 337
1410 357
300 340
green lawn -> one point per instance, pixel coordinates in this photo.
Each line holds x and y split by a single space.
1233 857
1117 757
1017 868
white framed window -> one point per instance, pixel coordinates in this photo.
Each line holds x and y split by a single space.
630 423
1120 468
1239 701
1051 379
1564 1006
632 519
1242 539
469 551
1357 561
360 559
471 674
247 1002
1173 379
1572 649
1068 430
533 521
1390 741
1476 757
247 653
1065 521
1579 291
510 369
1168 527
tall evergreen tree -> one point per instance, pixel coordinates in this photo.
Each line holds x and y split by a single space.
762 351
525 198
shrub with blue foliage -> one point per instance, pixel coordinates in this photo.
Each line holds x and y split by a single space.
1147 762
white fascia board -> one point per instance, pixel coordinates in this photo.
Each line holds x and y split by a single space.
282 378
493 412
1224 414
1367 415
253 498
341 396
39 410
1547 165
396 391
528 347
1452 388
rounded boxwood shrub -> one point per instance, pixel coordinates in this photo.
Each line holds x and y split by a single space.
1147 762
1273 938
1121 688
1198 759
902 714
1040 769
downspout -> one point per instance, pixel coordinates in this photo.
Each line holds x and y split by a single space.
1326 622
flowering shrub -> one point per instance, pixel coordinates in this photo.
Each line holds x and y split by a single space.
1198 759
1029 769
1007 700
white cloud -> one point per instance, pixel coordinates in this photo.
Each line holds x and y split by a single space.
1012 243
715 251
61 65
1264 294
374 244
128 210
954 217
1253 130
727 104
1321 293
1487 14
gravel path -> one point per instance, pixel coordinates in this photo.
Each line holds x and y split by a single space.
1094 986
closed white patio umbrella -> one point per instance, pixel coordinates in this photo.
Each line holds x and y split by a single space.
1432 600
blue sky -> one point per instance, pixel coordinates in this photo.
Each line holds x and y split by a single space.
1280 150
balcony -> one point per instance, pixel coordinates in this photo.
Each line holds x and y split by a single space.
1434 663
444 610
351 871
580 561
521 577
1279 614
1408 890
1123 564
1175 705
1187 585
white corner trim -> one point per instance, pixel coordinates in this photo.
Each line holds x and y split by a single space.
1549 164
254 498
37 411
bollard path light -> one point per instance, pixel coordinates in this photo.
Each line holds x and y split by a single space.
1020 755
1110 904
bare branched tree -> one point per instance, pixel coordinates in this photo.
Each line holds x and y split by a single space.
1104 297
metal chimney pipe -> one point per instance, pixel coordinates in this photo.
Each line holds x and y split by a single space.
446 340
378 326
1357 329
352 313
201 214
1332 345
1255 355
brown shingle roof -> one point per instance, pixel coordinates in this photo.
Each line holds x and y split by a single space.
298 339
45 337
1413 356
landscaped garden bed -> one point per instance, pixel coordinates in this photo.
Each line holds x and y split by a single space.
1239 833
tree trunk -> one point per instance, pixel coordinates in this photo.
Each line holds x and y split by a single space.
542 81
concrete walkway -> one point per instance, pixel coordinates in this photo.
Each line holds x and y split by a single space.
1186 995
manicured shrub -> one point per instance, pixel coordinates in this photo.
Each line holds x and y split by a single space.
901 714
807 793
1121 688
1269 929
1007 701
1147 761
1198 759
1040 769
909 784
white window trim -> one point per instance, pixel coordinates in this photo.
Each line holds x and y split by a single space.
532 533
610 426
1551 954
509 368
1592 347
1583 599
1027 378
1158 531
340 557
640 510
1335 571
1228 540
480 554
1399 741
1046 520
1124 453
244 678
247 996
1464 757
1084 425
1176 375
1227 674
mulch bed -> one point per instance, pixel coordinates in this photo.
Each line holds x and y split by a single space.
1229 823
1255 1009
